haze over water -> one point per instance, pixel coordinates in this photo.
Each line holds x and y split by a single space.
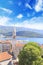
38 40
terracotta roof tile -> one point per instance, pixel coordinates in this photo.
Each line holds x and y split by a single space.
19 45
4 56
7 41
41 46
4 42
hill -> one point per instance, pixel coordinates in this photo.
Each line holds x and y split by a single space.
21 31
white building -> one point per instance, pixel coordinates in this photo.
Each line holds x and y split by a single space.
5 59
18 48
5 46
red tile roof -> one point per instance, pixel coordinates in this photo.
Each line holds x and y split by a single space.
4 56
41 46
19 45
4 42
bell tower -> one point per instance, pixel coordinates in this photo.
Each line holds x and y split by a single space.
14 41
13 37
14 32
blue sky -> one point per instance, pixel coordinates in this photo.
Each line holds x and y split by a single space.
22 13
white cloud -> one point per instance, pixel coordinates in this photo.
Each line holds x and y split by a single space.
37 26
36 20
4 20
34 23
39 5
28 6
6 10
19 16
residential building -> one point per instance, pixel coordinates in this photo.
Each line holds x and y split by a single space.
5 46
17 49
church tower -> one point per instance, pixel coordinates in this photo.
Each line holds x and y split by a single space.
14 32
13 37
14 41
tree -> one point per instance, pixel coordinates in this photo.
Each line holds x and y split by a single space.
30 54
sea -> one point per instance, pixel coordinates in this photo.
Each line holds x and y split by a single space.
38 40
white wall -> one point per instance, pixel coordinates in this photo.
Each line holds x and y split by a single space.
0 47
5 62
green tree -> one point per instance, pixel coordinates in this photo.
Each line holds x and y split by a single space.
30 54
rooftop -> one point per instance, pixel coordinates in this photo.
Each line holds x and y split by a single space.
5 56
19 45
42 46
5 41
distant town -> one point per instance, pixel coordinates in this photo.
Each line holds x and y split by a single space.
9 50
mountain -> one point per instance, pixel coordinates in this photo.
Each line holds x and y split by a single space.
29 34
21 31
6 29
29 29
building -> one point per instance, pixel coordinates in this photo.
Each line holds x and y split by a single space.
17 49
41 46
13 38
13 41
14 33
5 46
16 61
5 59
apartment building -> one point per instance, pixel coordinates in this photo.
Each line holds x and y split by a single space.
5 46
